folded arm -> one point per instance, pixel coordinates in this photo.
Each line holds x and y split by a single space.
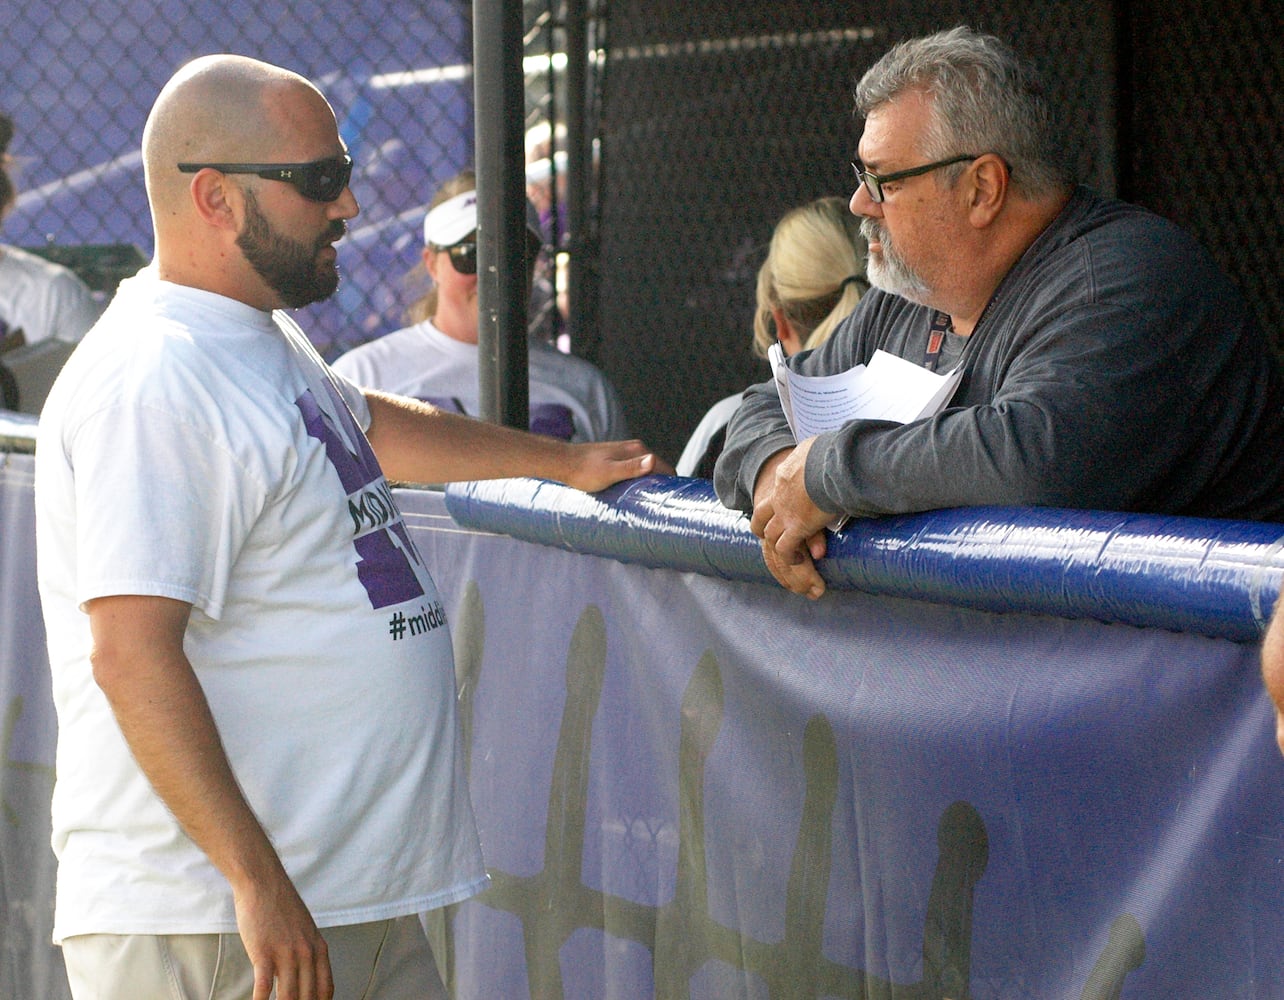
791 526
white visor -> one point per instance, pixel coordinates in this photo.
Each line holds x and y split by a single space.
452 220
456 217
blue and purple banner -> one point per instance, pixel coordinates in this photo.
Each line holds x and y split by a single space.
694 784
691 786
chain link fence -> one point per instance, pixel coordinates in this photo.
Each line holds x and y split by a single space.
397 73
1203 100
718 118
707 122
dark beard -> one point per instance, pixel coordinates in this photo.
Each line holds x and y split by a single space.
289 268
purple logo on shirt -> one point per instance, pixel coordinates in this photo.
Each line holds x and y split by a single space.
388 564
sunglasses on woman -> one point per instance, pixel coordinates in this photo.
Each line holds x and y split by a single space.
463 256
320 180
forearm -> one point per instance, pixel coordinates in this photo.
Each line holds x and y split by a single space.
1058 453
871 469
757 431
140 665
418 443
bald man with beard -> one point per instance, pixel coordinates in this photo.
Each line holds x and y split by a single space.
259 780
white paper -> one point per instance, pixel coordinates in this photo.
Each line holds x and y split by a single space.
907 392
888 388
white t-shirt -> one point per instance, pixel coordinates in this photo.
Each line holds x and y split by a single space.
43 299
196 448
569 397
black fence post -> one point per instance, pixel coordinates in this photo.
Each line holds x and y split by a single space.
502 277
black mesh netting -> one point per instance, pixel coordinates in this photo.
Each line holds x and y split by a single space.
718 117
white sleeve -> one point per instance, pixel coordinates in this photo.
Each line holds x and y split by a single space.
354 396
162 509
75 309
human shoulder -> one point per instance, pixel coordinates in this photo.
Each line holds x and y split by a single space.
546 354
1104 251
17 259
399 361
1108 230
176 349
564 378
380 347
547 361
714 420
41 269
45 298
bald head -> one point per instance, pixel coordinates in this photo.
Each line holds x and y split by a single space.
226 230
221 108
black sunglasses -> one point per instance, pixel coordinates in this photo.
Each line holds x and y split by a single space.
463 256
320 180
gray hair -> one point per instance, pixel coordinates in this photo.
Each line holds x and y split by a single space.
984 99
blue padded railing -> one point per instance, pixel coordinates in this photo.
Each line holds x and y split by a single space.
1210 577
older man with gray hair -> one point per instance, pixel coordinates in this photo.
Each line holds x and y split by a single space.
1106 362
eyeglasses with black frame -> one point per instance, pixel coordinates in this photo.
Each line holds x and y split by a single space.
874 183
321 180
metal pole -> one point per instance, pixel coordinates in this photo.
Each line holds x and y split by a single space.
578 171
499 93
557 211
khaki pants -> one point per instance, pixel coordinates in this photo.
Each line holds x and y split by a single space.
385 960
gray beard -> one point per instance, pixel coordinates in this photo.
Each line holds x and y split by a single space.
887 271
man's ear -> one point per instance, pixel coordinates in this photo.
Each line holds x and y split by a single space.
988 176
215 199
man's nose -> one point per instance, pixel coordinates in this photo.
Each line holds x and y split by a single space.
347 205
862 204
